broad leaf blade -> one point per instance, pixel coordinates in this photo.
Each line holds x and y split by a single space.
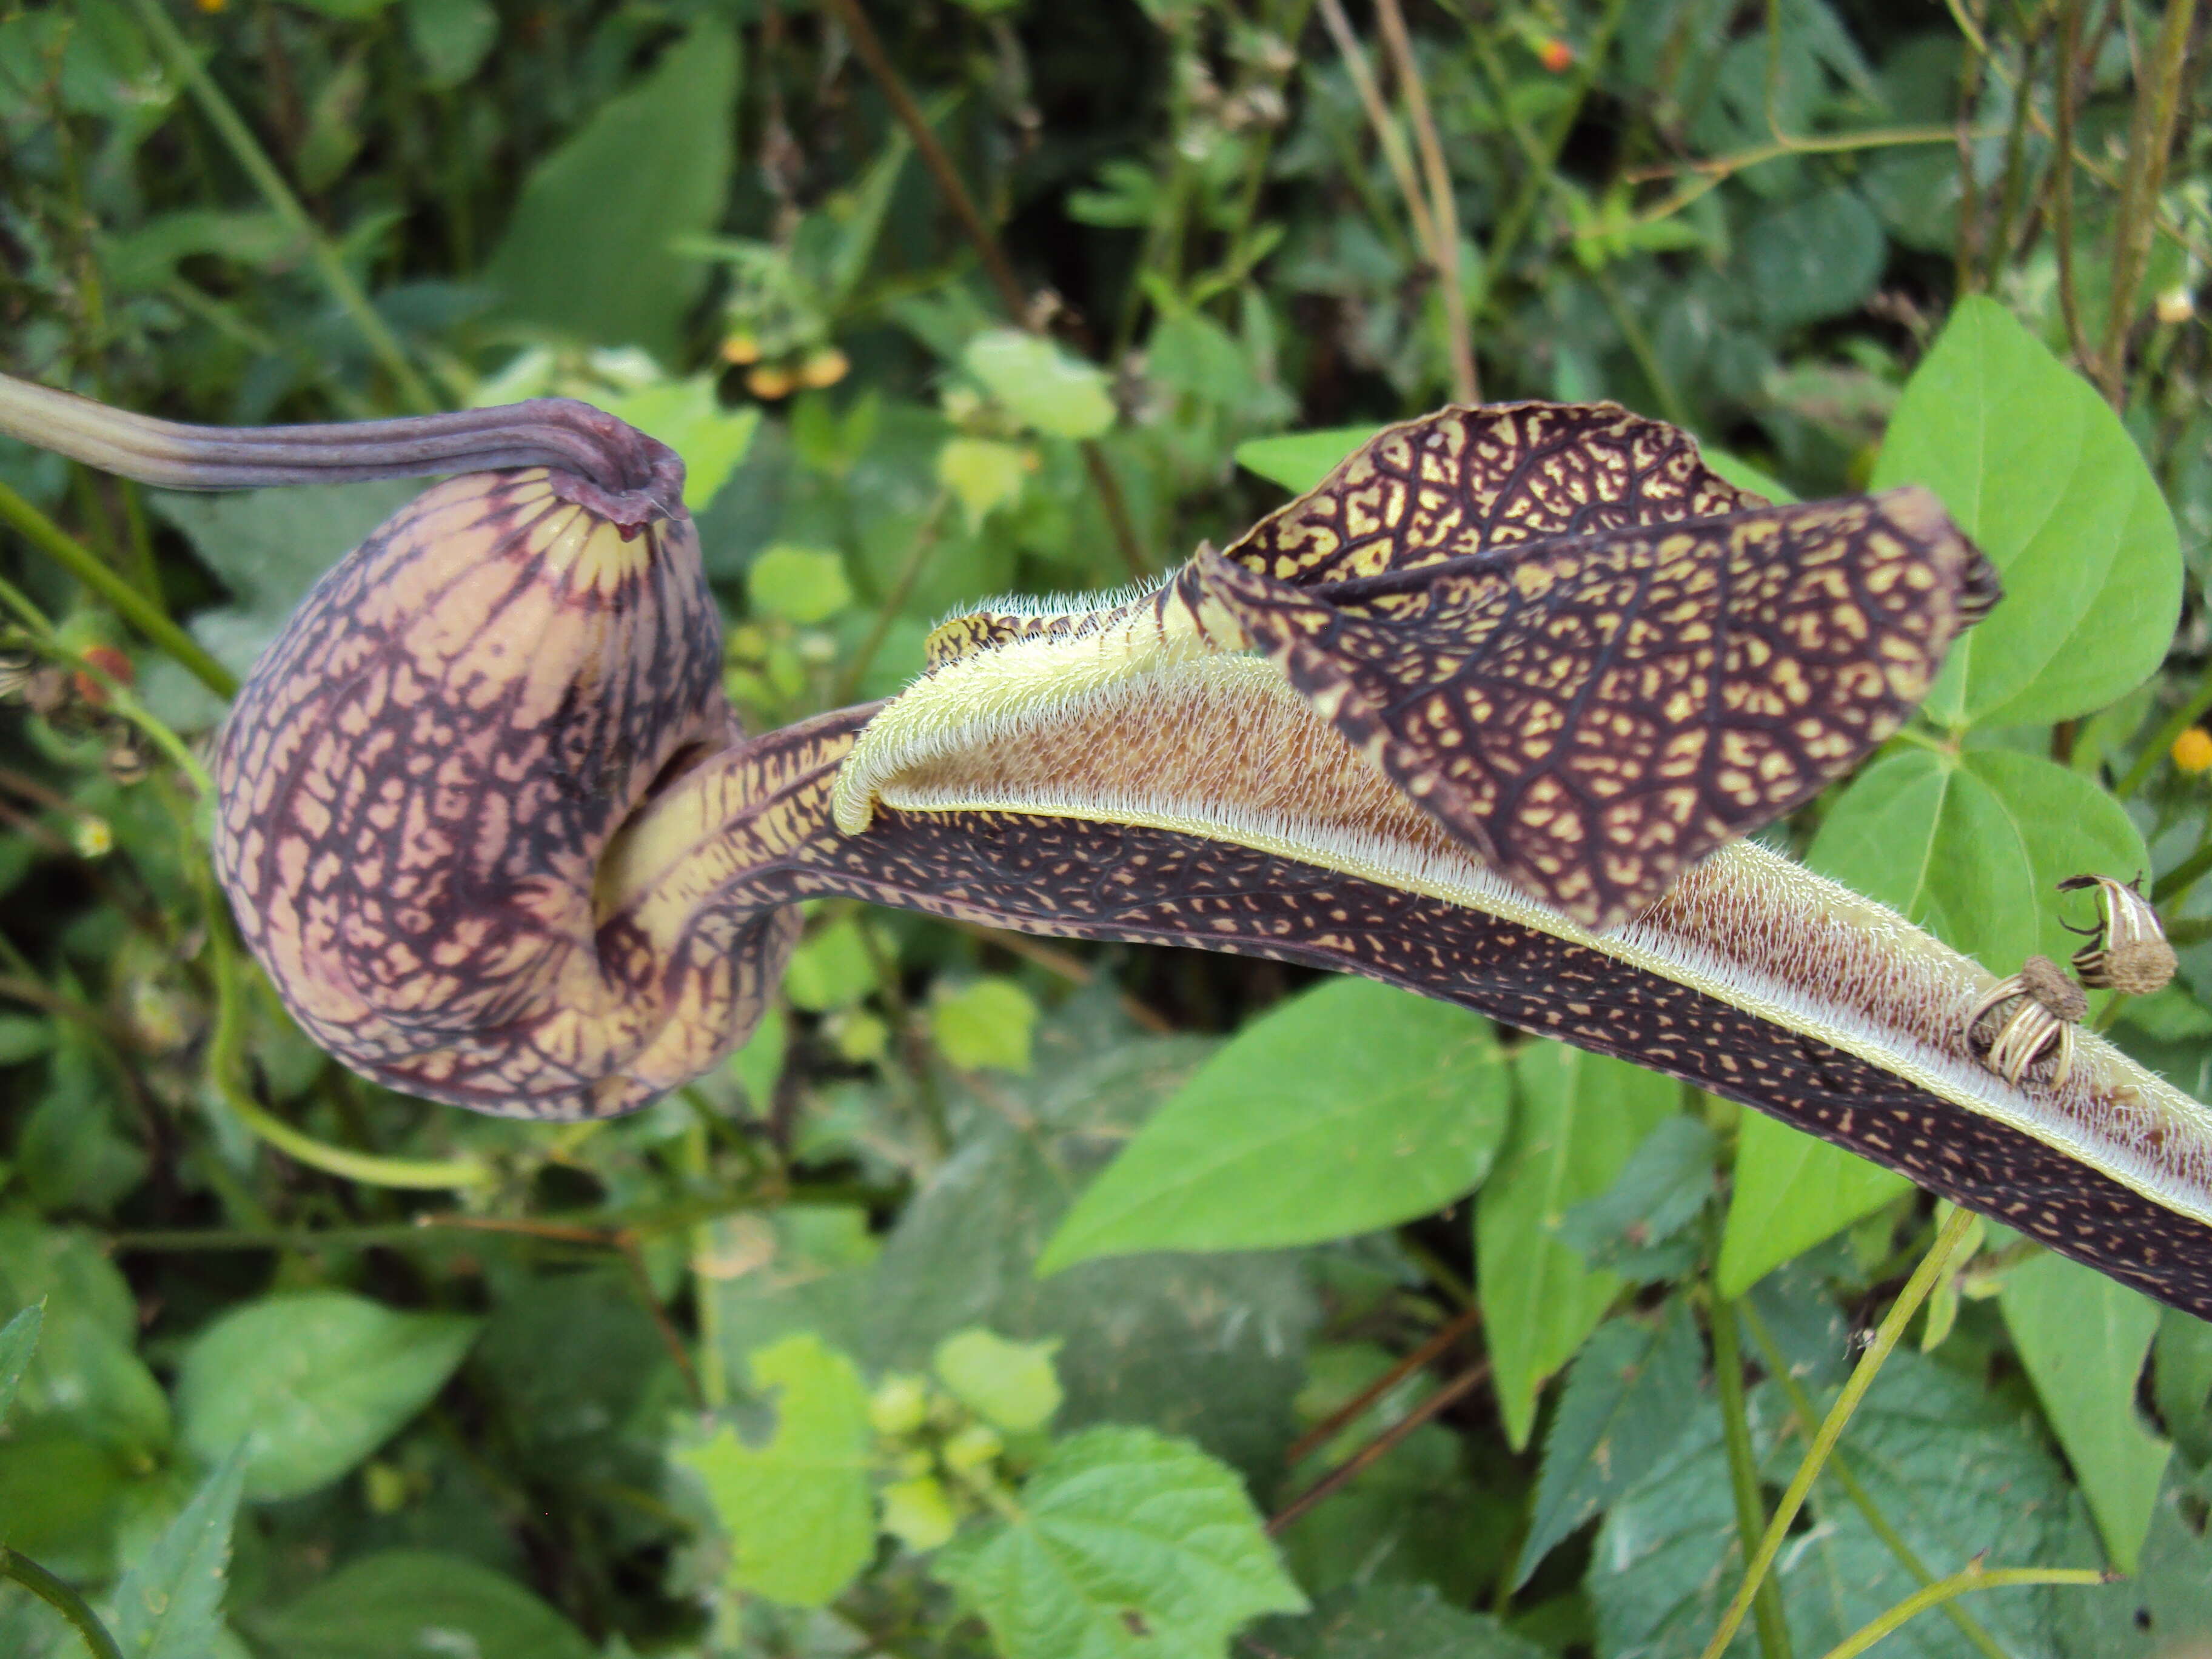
2039 471
1971 848
19 1340
311 1384
1581 1117
1299 460
1790 1191
797 1509
169 1606
1628 1399
401 1603
1126 1543
1390 1621
589 251
2083 1338
1352 1107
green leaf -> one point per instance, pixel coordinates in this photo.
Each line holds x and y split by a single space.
2181 1373
1956 1472
2038 470
1581 1118
1817 256
269 547
1300 460
1744 476
19 1340
451 37
1041 386
1971 848
313 1383
759 1064
169 1606
687 416
831 968
2082 1339
345 11
797 1510
1010 1385
985 473
1351 1107
801 584
85 1377
987 1022
1126 1543
1630 1228
1390 1621
2164 1610
588 251
1212 1346
417 1604
1790 1191
62 1497
1629 1396
24 1037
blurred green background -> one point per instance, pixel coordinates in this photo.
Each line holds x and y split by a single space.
982 295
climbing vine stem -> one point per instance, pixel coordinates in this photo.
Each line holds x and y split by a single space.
1949 1237
62 1599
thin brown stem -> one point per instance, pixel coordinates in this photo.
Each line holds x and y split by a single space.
2150 140
869 47
2061 200
1356 1407
1396 155
626 1246
1369 1454
1967 245
917 559
1444 210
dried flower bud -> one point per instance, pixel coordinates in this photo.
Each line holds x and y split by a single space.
47 690
766 380
2046 981
112 663
2127 950
2046 1007
16 667
127 761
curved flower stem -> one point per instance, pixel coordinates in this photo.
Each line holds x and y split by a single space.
62 1599
254 161
224 1065
133 606
1972 1578
1743 1472
1877 1522
1948 1240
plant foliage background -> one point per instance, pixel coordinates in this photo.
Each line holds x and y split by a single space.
991 1299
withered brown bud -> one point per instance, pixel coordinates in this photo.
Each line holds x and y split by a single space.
2046 981
2127 950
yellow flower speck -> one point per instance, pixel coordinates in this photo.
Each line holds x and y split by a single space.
2192 750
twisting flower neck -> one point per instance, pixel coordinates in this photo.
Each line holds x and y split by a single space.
605 465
